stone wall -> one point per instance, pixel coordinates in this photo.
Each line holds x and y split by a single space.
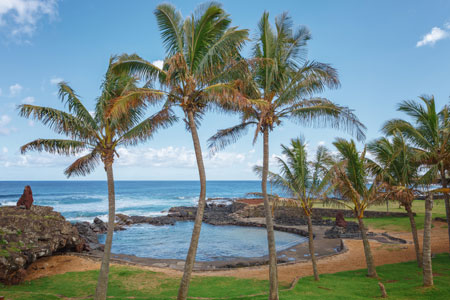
257 211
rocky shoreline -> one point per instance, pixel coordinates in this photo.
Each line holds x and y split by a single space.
328 235
26 235
29 234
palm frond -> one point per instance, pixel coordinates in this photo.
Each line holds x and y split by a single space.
59 121
67 95
319 112
147 128
58 146
83 165
227 136
170 25
136 66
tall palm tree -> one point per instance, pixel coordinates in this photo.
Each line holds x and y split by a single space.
429 135
350 180
303 181
398 166
202 51
97 137
282 83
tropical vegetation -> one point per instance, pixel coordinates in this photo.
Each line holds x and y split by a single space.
200 50
283 83
204 70
396 164
96 137
303 181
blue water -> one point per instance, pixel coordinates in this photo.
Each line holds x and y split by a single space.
85 200
216 242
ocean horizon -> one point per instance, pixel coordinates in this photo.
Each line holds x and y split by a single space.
83 200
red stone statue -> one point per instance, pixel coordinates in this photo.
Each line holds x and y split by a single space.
27 198
340 221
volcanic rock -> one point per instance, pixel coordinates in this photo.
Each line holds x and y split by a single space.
26 200
26 235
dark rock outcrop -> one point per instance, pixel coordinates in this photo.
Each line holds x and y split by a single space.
26 200
351 231
90 237
26 235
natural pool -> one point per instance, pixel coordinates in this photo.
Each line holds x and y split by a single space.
216 242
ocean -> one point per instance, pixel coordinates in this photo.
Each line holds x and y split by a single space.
85 200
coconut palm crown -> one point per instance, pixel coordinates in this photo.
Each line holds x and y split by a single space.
202 53
97 137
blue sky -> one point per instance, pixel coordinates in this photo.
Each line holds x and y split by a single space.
385 52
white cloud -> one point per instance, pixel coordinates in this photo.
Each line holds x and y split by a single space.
175 157
56 80
321 143
28 100
15 90
159 63
4 122
20 17
5 150
31 123
435 35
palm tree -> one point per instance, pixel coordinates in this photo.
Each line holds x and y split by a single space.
195 77
429 137
282 84
398 166
303 181
97 137
350 180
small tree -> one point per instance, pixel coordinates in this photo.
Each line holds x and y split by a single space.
303 181
398 167
97 137
349 178
429 138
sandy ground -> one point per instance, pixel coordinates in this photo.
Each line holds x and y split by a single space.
353 259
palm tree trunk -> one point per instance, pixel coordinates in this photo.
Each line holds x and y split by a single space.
414 234
311 248
190 259
273 274
427 267
447 205
102 284
371 272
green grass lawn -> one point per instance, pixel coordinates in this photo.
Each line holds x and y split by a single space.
402 281
402 223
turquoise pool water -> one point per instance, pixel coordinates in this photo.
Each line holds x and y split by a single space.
216 242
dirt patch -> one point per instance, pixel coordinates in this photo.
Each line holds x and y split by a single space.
59 265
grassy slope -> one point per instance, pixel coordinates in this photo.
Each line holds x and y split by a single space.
401 224
402 281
